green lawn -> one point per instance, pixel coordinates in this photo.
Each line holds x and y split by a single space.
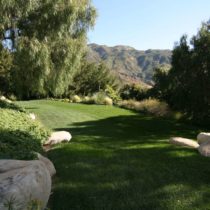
120 160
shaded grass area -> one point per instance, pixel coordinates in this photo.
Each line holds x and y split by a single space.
122 160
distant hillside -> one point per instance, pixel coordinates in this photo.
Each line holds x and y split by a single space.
132 65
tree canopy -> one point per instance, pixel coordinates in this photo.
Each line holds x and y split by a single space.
92 78
47 39
186 86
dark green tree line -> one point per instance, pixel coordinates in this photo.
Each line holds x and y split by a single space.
92 78
186 86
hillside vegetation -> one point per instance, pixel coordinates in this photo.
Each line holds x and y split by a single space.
130 64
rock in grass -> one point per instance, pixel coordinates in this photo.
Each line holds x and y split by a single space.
2 98
203 137
184 142
24 182
58 137
32 116
204 149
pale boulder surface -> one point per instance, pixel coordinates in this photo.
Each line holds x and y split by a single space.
9 165
32 116
204 149
203 137
184 142
24 181
49 165
2 98
58 137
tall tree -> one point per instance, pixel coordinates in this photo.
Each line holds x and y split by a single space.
93 78
5 66
187 84
47 39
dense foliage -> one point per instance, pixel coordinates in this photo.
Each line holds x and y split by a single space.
92 78
20 136
134 91
4 104
47 40
5 66
186 86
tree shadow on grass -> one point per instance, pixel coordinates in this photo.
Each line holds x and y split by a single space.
125 163
31 108
17 144
129 129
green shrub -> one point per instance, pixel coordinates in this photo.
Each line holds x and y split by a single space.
91 78
76 99
20 136
12 97
112 93
8 105
102 99
134 91
151 106
108 101
64 100
88 100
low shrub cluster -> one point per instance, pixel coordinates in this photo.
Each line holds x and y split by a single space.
150 106
76 99
134 91
20 136
5 103
100 98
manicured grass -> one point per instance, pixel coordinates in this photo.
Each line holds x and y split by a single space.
120 160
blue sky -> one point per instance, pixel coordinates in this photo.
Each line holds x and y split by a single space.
147 24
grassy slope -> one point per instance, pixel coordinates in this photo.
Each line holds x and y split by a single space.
120 160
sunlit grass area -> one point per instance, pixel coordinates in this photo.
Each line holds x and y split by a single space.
121 160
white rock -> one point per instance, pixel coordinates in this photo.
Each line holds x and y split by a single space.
58 137
203 137
32 116
204 149
184 142
25 184
2 98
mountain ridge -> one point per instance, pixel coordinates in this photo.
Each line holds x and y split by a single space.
130 64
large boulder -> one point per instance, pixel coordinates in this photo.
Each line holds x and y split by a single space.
184 142
58 137
203 137
204 149
22 182
49 165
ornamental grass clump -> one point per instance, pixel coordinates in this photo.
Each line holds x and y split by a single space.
88 100
150 106
102 99
108 101
76 99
